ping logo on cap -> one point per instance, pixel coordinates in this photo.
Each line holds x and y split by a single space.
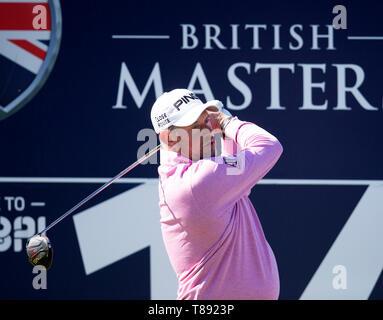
184 99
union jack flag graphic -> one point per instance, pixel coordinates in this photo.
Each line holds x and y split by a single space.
30 33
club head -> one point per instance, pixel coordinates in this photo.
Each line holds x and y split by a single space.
39 251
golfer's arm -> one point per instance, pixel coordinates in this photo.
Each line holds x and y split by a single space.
218 184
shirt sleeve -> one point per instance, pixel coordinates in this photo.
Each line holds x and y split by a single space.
219 182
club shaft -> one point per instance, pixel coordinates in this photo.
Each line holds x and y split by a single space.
104 186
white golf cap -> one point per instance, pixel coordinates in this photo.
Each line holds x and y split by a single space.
179 107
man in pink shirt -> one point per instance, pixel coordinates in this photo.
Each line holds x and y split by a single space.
210 228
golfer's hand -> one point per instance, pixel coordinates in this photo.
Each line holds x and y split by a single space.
216 118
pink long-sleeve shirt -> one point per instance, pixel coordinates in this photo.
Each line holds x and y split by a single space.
210 228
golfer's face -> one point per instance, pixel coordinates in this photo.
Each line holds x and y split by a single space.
202 143
197 140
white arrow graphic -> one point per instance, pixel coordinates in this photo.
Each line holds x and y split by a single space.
359 248
121 226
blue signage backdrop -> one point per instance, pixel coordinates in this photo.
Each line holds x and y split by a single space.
281 65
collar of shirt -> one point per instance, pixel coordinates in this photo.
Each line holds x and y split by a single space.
172 158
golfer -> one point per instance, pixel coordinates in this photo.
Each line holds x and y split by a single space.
211 231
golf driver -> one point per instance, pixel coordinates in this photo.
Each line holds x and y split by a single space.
39 248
